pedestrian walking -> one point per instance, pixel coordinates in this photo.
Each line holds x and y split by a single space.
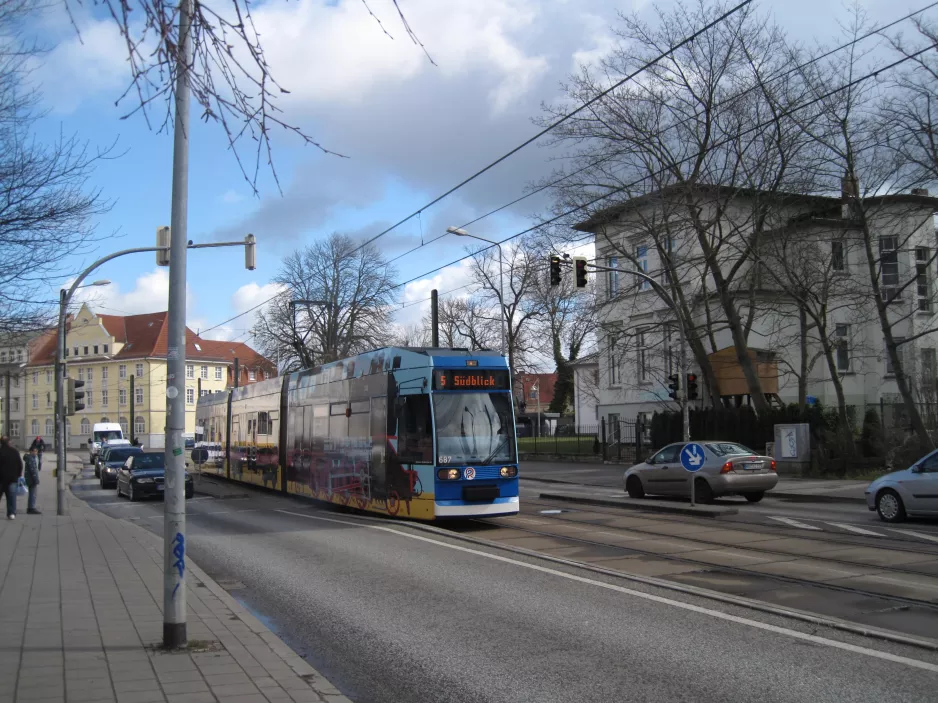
11 468
40 445
31 461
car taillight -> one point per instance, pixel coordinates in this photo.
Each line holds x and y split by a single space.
773 465
727 467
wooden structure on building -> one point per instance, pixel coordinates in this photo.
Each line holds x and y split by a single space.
734 390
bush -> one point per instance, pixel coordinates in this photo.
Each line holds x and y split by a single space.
871 437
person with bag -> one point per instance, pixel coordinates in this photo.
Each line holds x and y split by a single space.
31 461
11 468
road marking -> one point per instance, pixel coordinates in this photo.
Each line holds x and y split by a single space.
858 530
794 523
920 535
856 649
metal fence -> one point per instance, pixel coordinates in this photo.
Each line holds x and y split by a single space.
623 440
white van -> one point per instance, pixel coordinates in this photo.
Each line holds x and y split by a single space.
105 434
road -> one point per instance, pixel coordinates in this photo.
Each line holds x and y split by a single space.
393 612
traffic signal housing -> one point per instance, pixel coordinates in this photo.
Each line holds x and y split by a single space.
579 263
675 386
692 386
75 398
555 270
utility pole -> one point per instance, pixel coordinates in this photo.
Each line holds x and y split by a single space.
434 319
174 516
132 409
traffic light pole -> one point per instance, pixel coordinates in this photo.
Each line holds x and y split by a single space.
666 297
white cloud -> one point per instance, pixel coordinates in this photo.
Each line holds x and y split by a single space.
252 294
450 282
149 294
230 197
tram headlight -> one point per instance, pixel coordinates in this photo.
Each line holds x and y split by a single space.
448 474
509 471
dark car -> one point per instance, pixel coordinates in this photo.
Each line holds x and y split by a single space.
142 476
111 461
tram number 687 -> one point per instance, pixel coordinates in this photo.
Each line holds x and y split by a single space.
445 459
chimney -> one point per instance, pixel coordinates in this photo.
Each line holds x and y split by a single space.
920 191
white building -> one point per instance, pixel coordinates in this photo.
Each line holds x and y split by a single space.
811 237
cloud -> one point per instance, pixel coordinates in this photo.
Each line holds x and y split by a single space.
149 294
251 295
415 299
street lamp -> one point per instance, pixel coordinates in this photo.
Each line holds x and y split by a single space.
501 280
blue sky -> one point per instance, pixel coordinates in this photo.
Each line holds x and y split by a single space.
411 131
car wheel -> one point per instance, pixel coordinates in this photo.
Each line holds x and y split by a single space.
754 497
889 506
189 493
130 492
702 491
634 487
118 487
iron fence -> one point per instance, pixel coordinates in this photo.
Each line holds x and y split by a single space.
622 440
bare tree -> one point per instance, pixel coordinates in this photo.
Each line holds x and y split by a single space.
47 207
465 322
229 75
355 286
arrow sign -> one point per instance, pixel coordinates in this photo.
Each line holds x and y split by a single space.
692 457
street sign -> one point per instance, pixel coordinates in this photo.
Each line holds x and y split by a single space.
692 457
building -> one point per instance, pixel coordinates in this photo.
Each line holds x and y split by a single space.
586 393
16 351
535 391
122 361
819 237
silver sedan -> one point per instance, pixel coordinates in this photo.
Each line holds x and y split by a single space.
912 492
728 469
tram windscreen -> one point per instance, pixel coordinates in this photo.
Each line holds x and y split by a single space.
473 428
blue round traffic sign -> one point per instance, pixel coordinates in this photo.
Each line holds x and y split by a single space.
692 457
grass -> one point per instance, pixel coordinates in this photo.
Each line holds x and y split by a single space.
558 445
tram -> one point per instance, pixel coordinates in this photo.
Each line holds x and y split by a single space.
424 433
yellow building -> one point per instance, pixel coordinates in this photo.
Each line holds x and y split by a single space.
111 354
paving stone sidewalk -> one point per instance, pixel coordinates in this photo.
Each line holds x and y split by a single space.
81 621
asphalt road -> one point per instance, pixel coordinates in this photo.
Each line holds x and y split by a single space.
393 613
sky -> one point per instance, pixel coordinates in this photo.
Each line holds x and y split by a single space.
410 130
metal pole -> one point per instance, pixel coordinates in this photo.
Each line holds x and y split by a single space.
60 434
434 319
9 406
501 306
132 409
174 522
237 373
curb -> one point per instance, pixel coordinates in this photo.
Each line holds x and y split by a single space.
812 498
696 511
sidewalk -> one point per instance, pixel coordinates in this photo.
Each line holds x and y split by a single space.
81 620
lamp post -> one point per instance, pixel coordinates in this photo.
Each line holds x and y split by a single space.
501 281
293 303
65 297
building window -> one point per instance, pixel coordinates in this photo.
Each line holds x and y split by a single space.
85 426
19 354
16 381
203 372
48 375
48 400
34 428
35 401
104 373
105 348
14 428
190 396
140 425
842 346
124 425
890 369
929 365
613 361
104 398
922 284
81 374
612 277
218 373
641 261
74 351
16 404
3 357
50 427
89 398
889 266
641 351
203 392
122 396
190 371
139 370
252 375
122 371
35 378
90 375
138 396
95 348
84 351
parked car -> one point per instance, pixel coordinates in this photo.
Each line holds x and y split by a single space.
912 492
728 469
110 462
101 457
142 476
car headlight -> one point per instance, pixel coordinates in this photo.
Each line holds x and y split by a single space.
143 480
448 474
509 471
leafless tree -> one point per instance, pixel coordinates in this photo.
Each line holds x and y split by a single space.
465 322
355 287
47 205
229 75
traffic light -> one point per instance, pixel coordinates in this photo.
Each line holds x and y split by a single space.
675 386
579 263
691 386
75 397
555 270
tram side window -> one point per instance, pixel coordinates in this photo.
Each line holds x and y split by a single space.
358 422
338 422
415 441
263 423
320 426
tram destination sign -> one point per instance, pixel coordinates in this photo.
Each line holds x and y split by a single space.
470 380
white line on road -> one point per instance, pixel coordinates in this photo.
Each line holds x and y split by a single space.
858 530
794 523
920 535
866 651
